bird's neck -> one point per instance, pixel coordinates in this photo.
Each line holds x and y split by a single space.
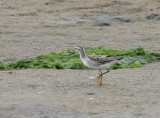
83 54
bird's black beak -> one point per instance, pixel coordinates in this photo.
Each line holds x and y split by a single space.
72 53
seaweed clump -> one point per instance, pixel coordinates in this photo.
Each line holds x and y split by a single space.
61 60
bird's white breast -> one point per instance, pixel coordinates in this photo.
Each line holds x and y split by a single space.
88 63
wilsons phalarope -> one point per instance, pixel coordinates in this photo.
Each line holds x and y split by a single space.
98 62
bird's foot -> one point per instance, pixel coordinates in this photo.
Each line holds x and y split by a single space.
99 79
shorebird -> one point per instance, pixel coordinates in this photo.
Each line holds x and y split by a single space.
97 62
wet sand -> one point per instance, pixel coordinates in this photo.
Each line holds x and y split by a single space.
30 28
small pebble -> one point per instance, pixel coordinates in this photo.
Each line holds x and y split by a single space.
91 77
91 98
41 92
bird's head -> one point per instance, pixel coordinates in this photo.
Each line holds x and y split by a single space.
78 49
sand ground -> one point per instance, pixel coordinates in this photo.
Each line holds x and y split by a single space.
29 28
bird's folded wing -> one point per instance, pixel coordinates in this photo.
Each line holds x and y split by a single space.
101 59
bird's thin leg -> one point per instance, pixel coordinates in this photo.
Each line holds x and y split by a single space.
100 77
106 72
100 71
100 81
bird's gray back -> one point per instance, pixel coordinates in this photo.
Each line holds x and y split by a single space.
99 59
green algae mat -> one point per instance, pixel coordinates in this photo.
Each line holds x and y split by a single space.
62 60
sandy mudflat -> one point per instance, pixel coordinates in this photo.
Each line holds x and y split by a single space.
29 28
